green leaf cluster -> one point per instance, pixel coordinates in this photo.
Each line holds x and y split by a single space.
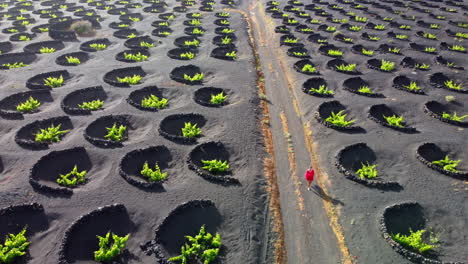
195 22
413 86
91 105
226 40
190 131
423 66
153 175
72 178
215 166
414 241
98 46
109 248
347 68
387 65
152 101
291 40
335 53
394 50
395 120
447 164
54 82
50 134
46 50
367 52
218 99
189 55
28 106
323 89
339 119
115 133
453 116
14 247
379 27
231 54
308 68
194 43
197 77
131 80
365 90
452 85
197 31
430 49
367 171
14 65
457 48
73 60
135 57
145 44
203 247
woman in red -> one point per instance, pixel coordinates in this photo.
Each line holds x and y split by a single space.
309 176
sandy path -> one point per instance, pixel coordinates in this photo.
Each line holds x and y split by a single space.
309 237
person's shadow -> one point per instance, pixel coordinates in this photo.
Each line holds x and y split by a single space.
322 194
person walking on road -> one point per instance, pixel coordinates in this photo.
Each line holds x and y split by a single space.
309 176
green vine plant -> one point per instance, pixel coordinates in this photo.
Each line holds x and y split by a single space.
423 66
193 43
133 35
394 50
355 28
452 85
394 120
188 55
73 60
218 99
72 178
447 164
367 171
115 133
152 101
365 90
387 65
379 27
346 68
145 44
308 68
54 82
457 48
202 248
339 119
374 38
195 22
15 246
110 247
28 106
190 131
226 40
291 40
415 241
434 26
454 116
50 134
367 52
232 54
349 40
196 78
300 54
461 35
91 105
135 57
46 50
323 89
430 36
215 166
336 53
153 175
430 49
98 46
413 86
198 31
15 65
401 36
24 38
131 80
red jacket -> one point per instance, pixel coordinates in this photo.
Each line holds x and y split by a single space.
309 175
